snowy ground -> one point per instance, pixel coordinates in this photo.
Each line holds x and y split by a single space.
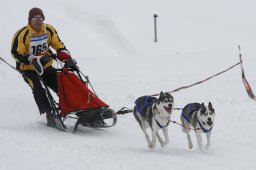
113 44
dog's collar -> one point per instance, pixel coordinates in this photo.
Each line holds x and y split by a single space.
155 109
161 125
204 129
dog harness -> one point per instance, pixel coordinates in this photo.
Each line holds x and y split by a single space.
145 101
205 130
161 125
192 108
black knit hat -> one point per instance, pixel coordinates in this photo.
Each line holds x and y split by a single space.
35 11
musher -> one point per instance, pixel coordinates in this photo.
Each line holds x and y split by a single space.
30 49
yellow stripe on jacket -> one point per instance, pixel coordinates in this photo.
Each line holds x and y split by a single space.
21 45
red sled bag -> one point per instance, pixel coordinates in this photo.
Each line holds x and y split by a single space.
74 95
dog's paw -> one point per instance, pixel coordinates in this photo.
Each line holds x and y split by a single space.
190 145
151 145
163 144
207 147
203 149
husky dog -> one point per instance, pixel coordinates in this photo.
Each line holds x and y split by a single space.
201 118
154 113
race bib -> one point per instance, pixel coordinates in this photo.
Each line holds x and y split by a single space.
38 44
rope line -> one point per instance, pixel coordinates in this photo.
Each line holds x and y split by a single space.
199 82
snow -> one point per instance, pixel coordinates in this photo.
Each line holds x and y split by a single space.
113 42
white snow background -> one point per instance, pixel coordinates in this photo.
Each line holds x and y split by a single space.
113 43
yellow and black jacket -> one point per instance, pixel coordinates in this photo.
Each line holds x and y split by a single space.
21 45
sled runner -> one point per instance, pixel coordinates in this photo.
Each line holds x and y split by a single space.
77 101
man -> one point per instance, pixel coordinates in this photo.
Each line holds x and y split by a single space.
30 49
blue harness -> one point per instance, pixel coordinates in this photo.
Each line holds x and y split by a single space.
146 103
192 109
205 130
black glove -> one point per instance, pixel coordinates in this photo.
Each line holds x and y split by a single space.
70 63
39 62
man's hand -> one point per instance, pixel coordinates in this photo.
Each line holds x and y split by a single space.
38 62
70 63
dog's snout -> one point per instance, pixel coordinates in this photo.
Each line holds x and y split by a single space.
170 105
209 121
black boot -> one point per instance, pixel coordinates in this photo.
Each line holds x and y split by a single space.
50 118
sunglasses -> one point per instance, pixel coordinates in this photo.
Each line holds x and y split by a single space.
37 18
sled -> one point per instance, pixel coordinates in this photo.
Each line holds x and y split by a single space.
78 102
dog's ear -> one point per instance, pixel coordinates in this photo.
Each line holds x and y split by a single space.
161 97
169 97
203 107
210 107
161 93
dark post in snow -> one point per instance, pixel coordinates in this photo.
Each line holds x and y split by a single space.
155 26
